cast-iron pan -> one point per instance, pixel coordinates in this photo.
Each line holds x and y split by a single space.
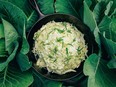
58 18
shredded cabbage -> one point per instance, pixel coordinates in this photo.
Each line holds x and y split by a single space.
61 47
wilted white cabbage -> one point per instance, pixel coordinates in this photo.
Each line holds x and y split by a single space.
61 47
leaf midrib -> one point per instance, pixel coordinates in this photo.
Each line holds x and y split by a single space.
73 8
30 16
97 65
5 74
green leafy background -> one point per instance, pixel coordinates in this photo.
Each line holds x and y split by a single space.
17 18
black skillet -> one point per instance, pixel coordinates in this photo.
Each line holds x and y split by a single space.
43 19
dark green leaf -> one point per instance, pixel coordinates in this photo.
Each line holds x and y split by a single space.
108 7
21 57
107 1
110 48
25 45
112 30
11 76
94 2
99 11
31 20
3 52
90 21
10 35
1 31
46 6
23 62
112 63
97 37
104 25
109 45
22 4
11 56
89 2
99 75
88 17
68 6
108 28
13 14
114 6
113 14
2 42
